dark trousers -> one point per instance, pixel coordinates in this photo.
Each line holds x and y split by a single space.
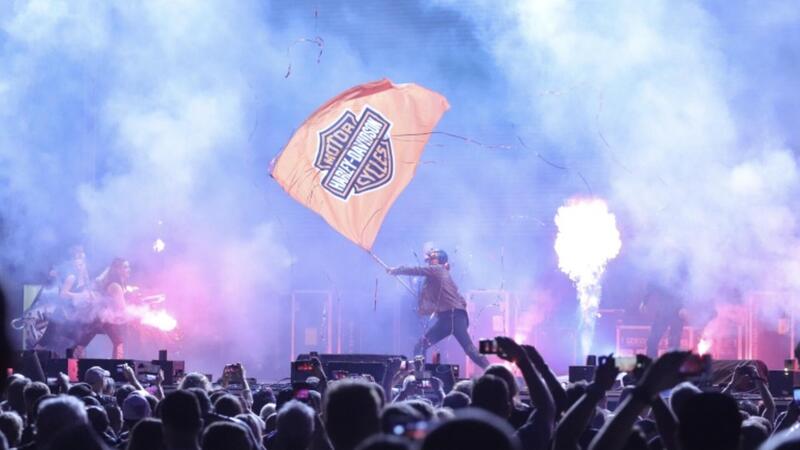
662 321
453 322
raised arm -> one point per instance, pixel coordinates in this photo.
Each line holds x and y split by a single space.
555 387
421 271
661 375
538 430
766 395
666 422
576 420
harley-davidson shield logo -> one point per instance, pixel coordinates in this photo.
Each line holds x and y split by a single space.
356 152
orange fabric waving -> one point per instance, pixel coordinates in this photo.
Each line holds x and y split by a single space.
349 161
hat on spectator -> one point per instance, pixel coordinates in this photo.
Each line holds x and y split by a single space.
135 407
95 374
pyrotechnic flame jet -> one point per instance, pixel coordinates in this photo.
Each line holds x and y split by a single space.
587 240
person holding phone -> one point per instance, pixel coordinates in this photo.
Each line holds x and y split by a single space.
440 296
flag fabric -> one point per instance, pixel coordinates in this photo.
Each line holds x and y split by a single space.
353 157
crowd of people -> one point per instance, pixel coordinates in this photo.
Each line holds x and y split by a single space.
659 408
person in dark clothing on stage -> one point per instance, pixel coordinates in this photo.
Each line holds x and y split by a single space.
666 312
440 296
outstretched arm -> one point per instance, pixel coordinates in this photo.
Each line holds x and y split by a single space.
538 430
661 375
666 423
421 271
577 418
555 387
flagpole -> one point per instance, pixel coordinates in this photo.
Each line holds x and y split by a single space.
386 266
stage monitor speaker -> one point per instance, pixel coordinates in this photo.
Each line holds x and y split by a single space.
581 373
348 368
373 364
782 382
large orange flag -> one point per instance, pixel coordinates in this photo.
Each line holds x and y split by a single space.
351 159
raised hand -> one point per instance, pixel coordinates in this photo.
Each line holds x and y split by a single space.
534 356
663 374
510 350
606 374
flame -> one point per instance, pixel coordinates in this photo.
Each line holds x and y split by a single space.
159 245
704 345
587 240
160 319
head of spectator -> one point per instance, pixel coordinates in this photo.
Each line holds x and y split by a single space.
36 404
295 425
472 428
397 417
80 390
464 386
504 374
135 408
11 426
443 414
31 393
271 424
680 394
284 396
146 435
95 377
114 414
262 397
754 433
195 380
90 400
76 437
266 411
709 421
109 387
456 400
255 424
379 392
98 418
181 419
16 395
636 440
215 395
422 406
203 401
122 393
226 436
385 442
352 413
228 405
58 414
491 394
785 440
